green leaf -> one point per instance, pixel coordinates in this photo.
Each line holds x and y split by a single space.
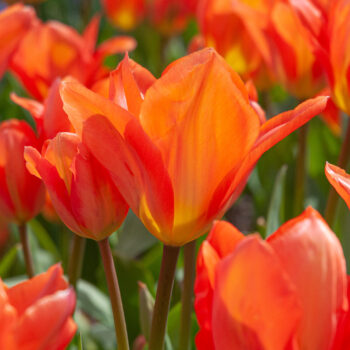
8 260
275 211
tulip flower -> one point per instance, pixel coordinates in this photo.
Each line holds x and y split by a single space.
81 191
288 292
21 194
87 201
61 51
178 159
340 180
15 21
125 14
37 314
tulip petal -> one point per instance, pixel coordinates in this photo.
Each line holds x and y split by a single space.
55 187
28 292
81 103
95 201
312 256
200 141
340 180
43 320
254 301
115 45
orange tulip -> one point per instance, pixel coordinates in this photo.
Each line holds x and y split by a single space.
15 21
21 194
37 314
81 191
61 51
125 14
179 159
340 180
288 292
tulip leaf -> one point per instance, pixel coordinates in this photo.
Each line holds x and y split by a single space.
275 210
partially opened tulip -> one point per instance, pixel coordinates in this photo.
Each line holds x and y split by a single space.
288 292
340 180
178 159
87 201
15 21
61 51
37 314
81 191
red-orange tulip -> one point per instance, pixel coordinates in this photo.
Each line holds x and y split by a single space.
289 292
81 191
61 51
125 14
21 194
15 21
340 180
37 314
183 152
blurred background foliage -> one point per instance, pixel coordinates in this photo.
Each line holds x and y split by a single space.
266 202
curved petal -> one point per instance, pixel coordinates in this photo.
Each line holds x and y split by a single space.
313 258
264 320
340 180
27 293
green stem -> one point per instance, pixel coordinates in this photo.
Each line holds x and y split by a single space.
162 303
76 259
187 294
26 250
114 293
300 171
333 196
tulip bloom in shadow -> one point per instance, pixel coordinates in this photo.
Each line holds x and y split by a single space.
288 292
22 195
182 152
61 51
37 314
87 201
340 180
15 21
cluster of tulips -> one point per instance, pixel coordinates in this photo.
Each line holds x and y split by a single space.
178 151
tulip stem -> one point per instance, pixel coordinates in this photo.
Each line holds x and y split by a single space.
333 196
114 293
187 294
22 228
300 171
162 303
76 259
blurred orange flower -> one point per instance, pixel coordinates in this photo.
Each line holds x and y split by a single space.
81 191
61 51
15 22
37 314
21 194
183 152
288 292
125 14
340 180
